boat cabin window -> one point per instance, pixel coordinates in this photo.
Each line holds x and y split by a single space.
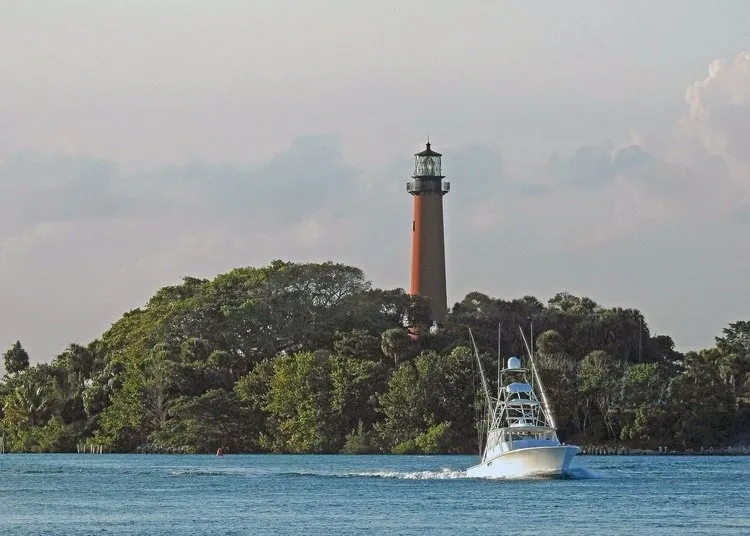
526 435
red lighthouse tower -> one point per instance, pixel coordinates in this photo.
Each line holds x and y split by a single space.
428 242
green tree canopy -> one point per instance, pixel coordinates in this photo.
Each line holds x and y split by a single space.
16 359
309 357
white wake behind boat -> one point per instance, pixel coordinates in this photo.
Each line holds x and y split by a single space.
521 440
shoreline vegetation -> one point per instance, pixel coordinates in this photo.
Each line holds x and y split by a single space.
603 450
586 450
310 358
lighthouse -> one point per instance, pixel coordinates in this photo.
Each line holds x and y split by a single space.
427 187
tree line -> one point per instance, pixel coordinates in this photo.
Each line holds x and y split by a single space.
310 358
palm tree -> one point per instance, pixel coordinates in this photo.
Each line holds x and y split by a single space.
31 403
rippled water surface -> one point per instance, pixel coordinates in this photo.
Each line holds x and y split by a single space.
194 495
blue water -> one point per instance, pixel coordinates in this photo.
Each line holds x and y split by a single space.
159 495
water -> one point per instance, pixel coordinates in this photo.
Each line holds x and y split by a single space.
159 495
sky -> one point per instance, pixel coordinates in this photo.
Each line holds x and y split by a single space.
597 148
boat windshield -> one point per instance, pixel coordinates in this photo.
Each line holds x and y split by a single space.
528 435
518 387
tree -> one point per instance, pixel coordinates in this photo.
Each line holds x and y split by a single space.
733 371
660 349
355 384
358 441
294 357
734 363
429 401
550 343
32 399
158 391
700 409
357 343
598 378
299 404
573 304
735 339
476 305
123 424
419 313
194 349
79 360
252 390
16 359
30 421
395 343
205 423
559 375
643 397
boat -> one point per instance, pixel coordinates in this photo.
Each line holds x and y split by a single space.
519 430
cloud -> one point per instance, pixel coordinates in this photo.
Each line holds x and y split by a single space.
294 184
597 193
719 114
83 239
607 191
700 173
598 165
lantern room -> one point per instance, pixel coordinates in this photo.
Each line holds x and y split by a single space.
427 163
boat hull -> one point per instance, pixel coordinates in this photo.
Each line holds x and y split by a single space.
526 462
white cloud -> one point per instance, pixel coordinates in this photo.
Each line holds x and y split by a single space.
719 114
82 239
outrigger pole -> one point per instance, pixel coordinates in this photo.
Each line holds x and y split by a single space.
499 359
481 372
483 423
538 379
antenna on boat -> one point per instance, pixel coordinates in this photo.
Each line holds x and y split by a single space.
531 330
499 354
529 349
534 372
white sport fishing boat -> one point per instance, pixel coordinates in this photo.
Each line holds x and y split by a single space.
521 440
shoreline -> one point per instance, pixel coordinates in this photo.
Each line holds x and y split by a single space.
585 451
663 451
